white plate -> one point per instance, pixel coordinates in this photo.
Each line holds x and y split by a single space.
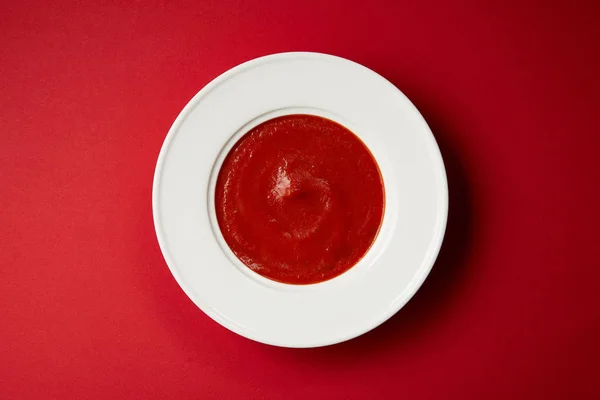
338 309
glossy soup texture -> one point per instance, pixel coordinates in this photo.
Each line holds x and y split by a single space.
299 199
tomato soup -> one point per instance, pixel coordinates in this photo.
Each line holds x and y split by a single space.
299 199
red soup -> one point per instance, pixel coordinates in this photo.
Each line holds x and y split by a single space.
299 199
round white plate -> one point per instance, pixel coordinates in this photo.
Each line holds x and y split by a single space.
413 224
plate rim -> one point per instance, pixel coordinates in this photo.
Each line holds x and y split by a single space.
438 234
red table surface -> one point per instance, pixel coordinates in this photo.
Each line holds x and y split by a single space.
88 307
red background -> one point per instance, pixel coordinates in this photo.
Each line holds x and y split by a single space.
88 307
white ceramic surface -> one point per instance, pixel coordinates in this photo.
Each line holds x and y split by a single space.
309 315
